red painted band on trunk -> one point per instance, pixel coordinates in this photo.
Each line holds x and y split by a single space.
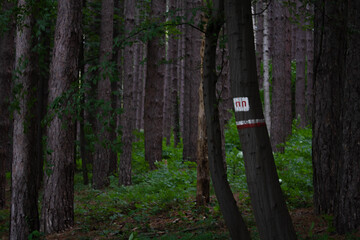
251 125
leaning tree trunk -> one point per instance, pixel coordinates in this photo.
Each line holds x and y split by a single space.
24 194
7 58
228 206
272 217
104 125
58 203
154 89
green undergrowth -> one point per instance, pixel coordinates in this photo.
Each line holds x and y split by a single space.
294 166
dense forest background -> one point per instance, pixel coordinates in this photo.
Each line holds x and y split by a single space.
167 119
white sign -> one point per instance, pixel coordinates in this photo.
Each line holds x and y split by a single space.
241 104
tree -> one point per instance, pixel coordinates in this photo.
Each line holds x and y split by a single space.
154 87
347 215
281 116
272 217
227 203
336 116
103 121
57 211
202 169
191 82
7 58
300 56
24 194
266 80
129 97
327 103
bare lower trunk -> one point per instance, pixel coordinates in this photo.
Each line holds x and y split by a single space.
57 211
281 115
7 57
128 123
103 146
154 91
24 194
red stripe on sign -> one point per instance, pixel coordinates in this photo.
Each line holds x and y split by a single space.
251 125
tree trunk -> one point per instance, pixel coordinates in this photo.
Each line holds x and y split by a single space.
57 211
129 96
300 55
229 209
24 194
347 213
103 124
272 217
203 176
7 58
310 71
266 80
281 115
154 89
191 84
260 6
328 82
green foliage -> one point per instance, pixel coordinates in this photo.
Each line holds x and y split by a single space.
295 168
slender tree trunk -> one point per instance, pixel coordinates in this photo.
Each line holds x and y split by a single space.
229 209
281 115
154 89
24 194
259 38
7 58
266 81
272 217
310 71
300 56
128 123
191 84
57 211
103 124
203 174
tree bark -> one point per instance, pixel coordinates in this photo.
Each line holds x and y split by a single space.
57 211
328 82
259 33
310 70
154 89
347 213
266 80
191 84
103 124
24 194
7 58
272 217
203 174
229 209
129 96
281 115
300 55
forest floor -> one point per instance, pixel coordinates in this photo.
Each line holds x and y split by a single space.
160 204
177 222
